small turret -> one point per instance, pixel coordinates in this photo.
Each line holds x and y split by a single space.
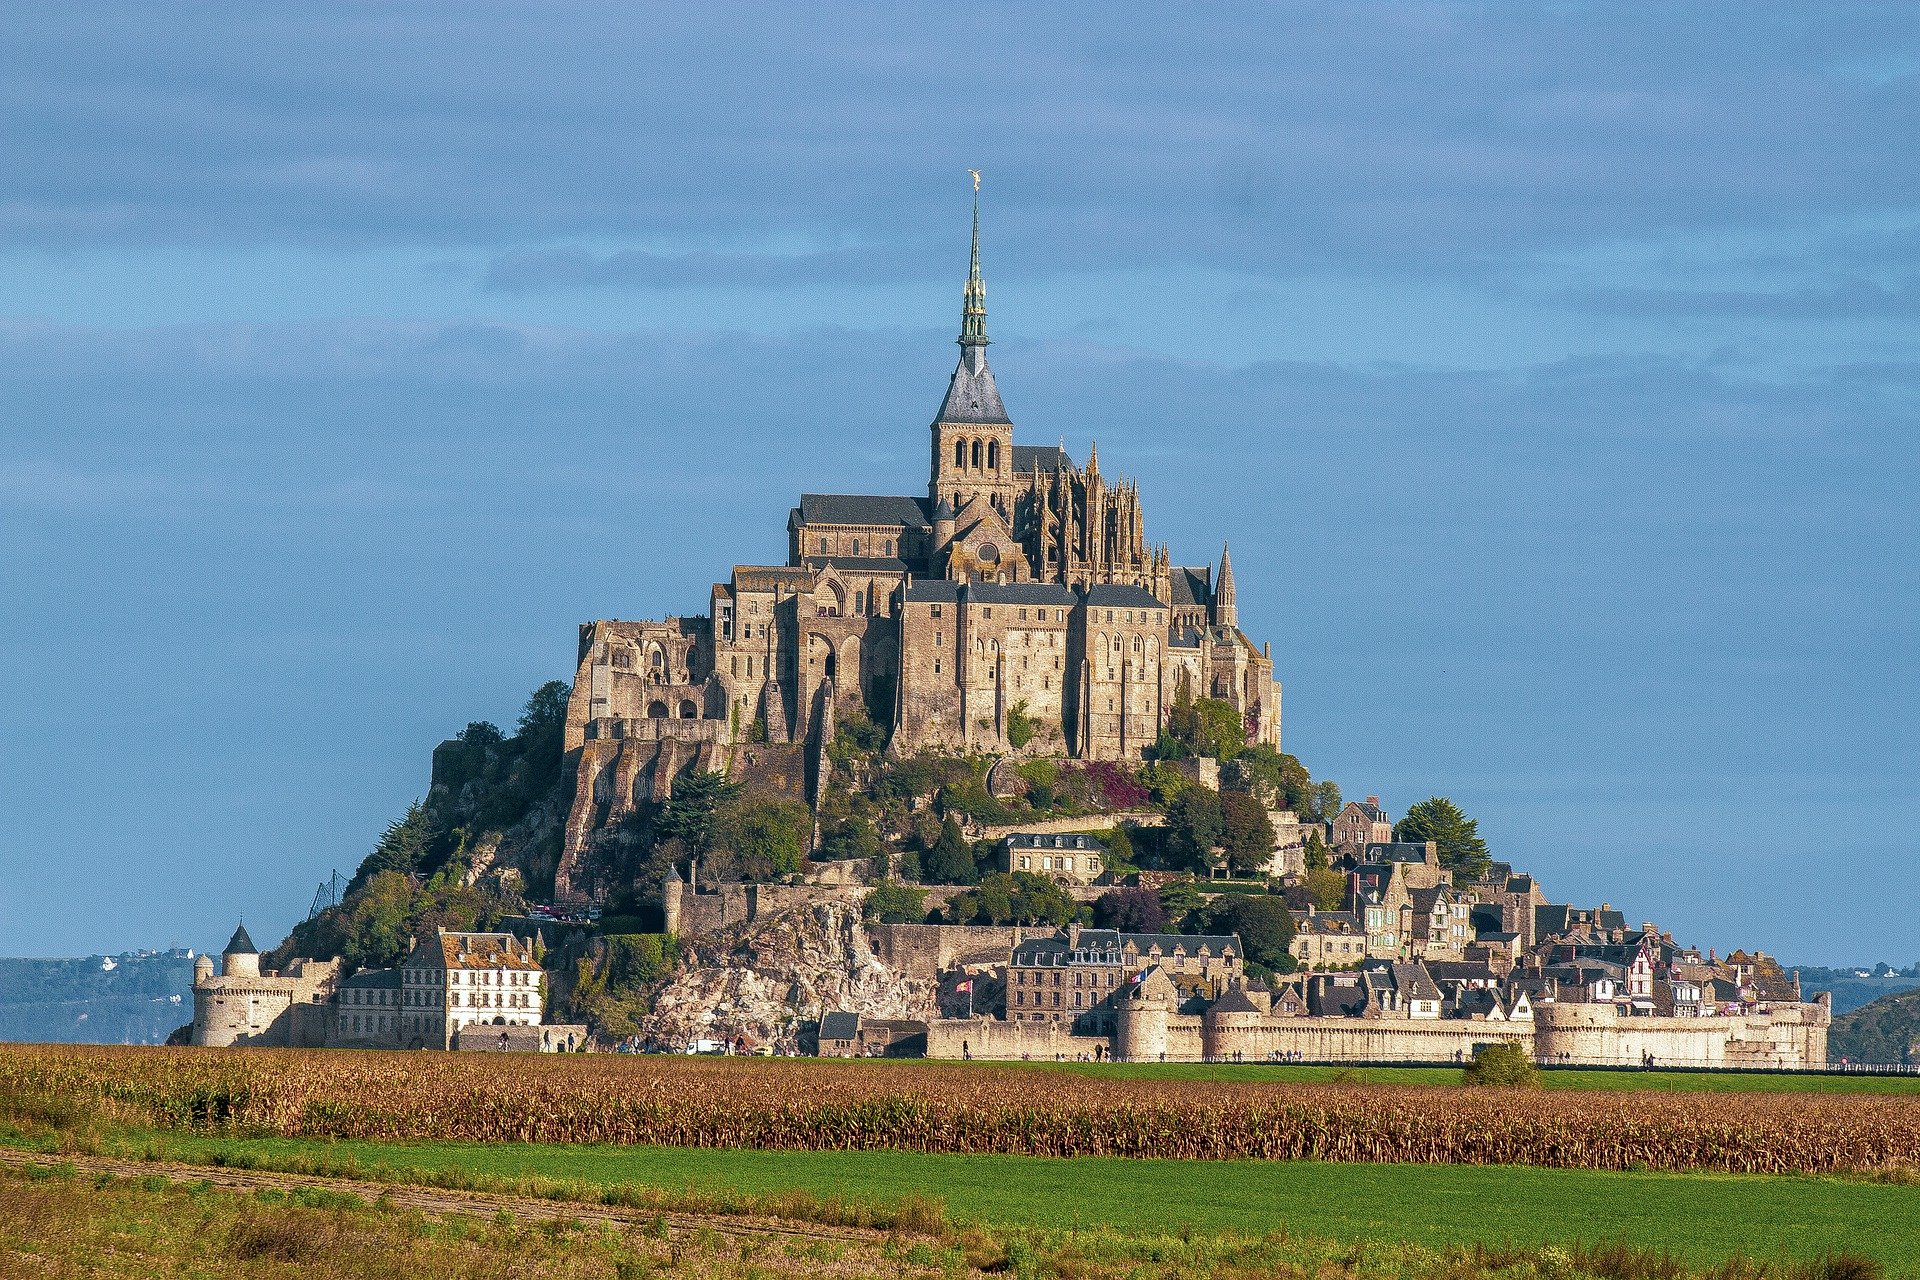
943 518
1225 613
241 959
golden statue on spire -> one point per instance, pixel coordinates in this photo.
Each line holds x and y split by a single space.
976 180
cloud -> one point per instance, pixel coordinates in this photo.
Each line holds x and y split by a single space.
1844 300
1423 138
533 271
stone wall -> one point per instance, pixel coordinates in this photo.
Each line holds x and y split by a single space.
1008 1041
691 914
925 951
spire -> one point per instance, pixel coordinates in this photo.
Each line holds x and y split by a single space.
1224 611
972 396
1093 459
973 310
240 944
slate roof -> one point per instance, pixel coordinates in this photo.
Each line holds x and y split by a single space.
769 577
1398 851
1341 923
374 978
1116 596
1051 593
862 508
1067 840
1235 1001
479 951
1185 638
932 591
859 564
972 396
1193 584
240 944
1046 456
839 1025
1059 950
1414 982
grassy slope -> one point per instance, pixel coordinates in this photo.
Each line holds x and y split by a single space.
1701 1217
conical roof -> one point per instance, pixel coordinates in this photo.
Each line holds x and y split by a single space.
240 944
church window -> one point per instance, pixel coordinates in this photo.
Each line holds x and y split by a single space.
889 546
993 454
823 545
856 546
976 453
859 602
959 453
749 667
735 662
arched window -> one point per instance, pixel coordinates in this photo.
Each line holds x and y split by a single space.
856 546
993 455
976 453
688 711
656 710
859 602
959 453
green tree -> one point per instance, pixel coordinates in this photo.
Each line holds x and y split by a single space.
950 859
1315 853
404 844
1196 824
1326 802
1506 1064
1438 819
1020 726
1264 925
1327 888
1223 731
1247 833
766 839
1180 899
891 902
690 813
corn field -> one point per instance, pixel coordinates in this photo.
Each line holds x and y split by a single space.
782 1104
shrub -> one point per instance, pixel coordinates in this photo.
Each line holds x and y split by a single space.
1504 1064
895 903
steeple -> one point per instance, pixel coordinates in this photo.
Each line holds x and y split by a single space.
973 309
972 397
1225 614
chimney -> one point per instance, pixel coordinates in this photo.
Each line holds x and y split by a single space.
1374 801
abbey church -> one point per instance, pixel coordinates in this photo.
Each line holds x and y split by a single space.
1016 608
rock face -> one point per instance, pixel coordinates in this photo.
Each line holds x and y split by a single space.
767 978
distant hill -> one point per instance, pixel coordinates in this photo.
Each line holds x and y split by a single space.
135 998
1850 989
1888 1030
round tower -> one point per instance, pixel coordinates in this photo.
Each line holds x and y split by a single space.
202 969
1140 1026
943 518
241 959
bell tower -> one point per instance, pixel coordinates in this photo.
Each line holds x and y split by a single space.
972 436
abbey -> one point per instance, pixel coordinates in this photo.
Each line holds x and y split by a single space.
1017 606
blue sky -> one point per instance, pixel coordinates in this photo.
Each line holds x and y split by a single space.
1550 366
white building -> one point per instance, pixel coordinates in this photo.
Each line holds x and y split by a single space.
467 979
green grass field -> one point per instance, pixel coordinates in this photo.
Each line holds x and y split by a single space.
1672 1081
1700 1217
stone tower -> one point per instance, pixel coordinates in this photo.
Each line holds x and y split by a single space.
1225 612
240 959
972 436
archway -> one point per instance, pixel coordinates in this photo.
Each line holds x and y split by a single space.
656 710
687 710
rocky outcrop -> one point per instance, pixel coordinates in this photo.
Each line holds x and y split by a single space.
770 977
